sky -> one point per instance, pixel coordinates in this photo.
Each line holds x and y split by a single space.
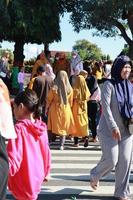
111 46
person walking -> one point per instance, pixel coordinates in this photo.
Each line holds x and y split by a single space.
76 64
6 132
21 77
93 105
61 64
40 61
41 85
59 103
81 95
114 130
29 154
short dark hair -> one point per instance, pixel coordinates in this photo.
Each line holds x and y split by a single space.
30 100
41 69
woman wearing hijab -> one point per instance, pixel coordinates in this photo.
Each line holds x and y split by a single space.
6 132
59 103
115 136
40 61
76 64
61 63
80 96
49 74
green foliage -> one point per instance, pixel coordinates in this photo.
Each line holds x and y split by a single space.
30 20
126 49
28 69
2 51
107 17
99 14
87 50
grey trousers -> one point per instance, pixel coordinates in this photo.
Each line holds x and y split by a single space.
116 155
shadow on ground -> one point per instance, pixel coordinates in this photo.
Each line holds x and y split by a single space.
68 197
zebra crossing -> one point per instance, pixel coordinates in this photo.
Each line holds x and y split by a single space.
70 174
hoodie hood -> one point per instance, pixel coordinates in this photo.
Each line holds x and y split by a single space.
36 128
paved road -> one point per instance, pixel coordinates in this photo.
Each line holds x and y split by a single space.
70 175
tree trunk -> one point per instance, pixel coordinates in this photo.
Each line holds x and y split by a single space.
131 51
46 47
18 53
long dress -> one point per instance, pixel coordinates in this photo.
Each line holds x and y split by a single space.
79 110
60 118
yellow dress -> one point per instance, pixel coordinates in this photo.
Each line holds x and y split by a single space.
60 118
80 116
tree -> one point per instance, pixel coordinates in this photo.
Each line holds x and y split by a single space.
2 51
87 50
31 21
108 17
125 50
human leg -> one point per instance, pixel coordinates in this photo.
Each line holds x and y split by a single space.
76 141
92 114
62 141
108 160
123 168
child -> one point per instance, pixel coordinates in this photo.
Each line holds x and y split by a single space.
6 131
29 154
21 77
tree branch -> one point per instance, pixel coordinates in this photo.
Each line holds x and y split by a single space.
123 31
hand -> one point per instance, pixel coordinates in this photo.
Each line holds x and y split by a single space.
46 179
116 134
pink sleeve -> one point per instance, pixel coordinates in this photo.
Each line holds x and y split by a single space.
47 162
46 154
15 152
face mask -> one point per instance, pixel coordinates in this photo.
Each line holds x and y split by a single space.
57 58
74 56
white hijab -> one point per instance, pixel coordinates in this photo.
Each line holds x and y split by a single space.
76 64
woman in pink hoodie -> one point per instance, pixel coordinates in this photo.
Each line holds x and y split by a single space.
29 154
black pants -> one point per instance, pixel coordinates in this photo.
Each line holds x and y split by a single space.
93 115
3 169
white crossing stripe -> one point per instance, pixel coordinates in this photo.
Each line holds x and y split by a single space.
76 158
76 152
81 190
73 166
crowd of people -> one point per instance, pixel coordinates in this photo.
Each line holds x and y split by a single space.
66 98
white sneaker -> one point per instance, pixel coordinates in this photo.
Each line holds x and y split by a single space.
61 147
